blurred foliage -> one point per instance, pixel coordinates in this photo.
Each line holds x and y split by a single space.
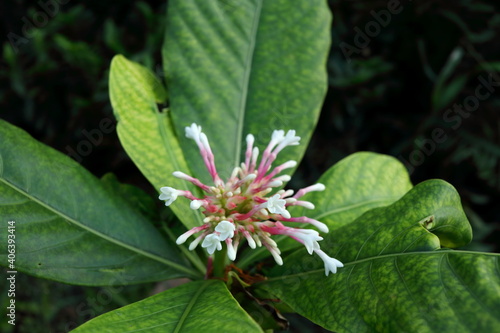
387 96
391 88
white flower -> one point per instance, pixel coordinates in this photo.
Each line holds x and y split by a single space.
289 140
275 205
317 187
277 136
225 230
183 238
309 238
250 139
193 132
231 251
331 264
168 194
211 242
195 204
275 252
250 240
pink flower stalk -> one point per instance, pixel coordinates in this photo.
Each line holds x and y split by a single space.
240 209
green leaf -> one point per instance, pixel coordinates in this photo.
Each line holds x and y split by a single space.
396 276
443 93
69 228
146 133
354 185
202 306
244 67
134 196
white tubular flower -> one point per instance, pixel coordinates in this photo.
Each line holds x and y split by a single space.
195 204
248 178
289 140
255 155
289 164
182 238
306 204
193 132
309 238
277 136
286 193
257 240
276 255
275 205
320 225
317 187
195 243
168 194
331 264
212 242
231 251
250 139
225 230
275 183
283 178
181 175
250 240
204 141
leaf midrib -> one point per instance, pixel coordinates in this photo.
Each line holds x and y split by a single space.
246 83
97 233
190 306
392 255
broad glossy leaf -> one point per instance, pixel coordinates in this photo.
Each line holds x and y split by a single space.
134 196
69 228
396 276
244 67
202 306
147 133
356 184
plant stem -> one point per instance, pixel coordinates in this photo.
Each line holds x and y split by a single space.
220 258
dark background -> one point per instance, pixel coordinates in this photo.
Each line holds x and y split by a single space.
390 89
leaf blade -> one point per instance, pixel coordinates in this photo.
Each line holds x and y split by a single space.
358 183
187 308
147 134
220 59
354 185
59 207
392 251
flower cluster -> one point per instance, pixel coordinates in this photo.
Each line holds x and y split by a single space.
239 208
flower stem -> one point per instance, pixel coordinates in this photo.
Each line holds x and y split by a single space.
220 259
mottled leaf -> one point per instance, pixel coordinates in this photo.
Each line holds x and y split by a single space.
354 185
146 132
239 67
397 277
